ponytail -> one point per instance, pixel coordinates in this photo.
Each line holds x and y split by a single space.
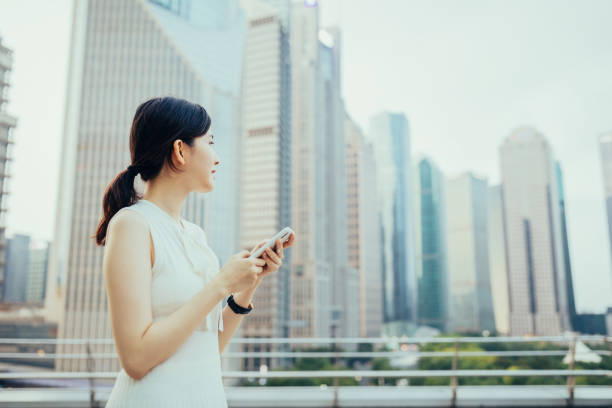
119 193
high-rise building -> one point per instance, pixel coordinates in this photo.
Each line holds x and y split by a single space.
497 259
569 281
266 161
17 265
345 322
536 268
390 136
311 268
468 254
37 273
363 231
123 53
430 239
7 126
605 149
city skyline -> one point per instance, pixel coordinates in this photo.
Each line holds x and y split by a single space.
579 156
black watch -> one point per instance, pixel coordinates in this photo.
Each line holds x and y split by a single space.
236 308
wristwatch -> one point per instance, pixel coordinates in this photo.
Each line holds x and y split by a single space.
236 308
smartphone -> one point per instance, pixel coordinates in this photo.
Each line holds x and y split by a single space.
284 235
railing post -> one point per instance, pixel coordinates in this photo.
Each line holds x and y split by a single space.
454 381
90 370
571 380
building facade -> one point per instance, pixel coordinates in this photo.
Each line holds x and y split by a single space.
363 230
37 273
390 135
536 268
605 150
497 259
7 126
431 252
567 263
123 53
468 255
311 273
266 161
16 271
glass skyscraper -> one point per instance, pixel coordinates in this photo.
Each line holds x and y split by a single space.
605 149
569 281
430 241
389 134
471 306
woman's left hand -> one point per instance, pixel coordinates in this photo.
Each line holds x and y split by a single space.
273 258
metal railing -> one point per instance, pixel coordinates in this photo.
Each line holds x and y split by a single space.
454 373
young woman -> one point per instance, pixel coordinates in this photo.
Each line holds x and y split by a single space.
163 281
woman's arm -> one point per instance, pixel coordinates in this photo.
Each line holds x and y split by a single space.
273 260
142 344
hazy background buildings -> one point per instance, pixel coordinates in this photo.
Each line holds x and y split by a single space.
478 235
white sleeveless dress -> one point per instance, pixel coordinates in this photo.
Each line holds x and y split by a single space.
192 376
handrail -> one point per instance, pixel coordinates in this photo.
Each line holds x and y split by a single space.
325 354
347 340
333 374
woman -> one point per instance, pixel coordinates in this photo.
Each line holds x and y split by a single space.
163 282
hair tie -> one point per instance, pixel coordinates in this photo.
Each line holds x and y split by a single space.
133 170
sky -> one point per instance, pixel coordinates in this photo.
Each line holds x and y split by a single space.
464 72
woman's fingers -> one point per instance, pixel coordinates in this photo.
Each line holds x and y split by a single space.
272 256
289 241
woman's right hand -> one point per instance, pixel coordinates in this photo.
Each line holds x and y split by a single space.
240 272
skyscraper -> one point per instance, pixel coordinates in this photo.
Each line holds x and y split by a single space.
390 136
7 124
17 266
332 161
536 268
497 259
37 272
569 281
468 254
311 267
605 149
430 238
122 53
266 172
363 231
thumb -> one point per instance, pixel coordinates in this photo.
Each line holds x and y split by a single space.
244 254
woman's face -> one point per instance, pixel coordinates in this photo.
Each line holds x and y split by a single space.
202 162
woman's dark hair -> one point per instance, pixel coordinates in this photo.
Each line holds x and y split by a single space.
157 124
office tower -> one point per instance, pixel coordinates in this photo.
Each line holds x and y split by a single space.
567 271
266 162
538 296
430 239
468 254
605 150
363 230
311 269
390 136
344 322
17 265
7 126
37 273
123 53
497 260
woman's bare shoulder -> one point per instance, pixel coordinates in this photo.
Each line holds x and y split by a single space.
128 225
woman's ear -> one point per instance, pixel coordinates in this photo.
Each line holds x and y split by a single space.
178 148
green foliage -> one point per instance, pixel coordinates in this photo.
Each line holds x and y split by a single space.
445 363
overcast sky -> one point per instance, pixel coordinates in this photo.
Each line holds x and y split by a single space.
465 73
